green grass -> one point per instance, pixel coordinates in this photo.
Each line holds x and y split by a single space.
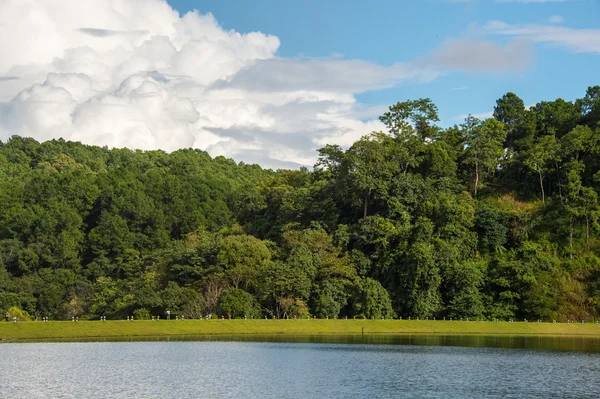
65 330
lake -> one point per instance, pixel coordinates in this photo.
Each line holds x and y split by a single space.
315 367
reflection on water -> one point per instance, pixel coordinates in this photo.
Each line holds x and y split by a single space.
427 367
558 343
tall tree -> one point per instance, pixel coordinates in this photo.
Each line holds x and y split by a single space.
589 205
510 110
541 158
589 106
412 123
574 201
483 148
370 163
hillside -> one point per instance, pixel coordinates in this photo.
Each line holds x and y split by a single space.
494 219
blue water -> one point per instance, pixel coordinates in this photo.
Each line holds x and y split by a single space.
207 369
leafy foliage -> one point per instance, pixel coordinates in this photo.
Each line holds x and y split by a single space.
494 218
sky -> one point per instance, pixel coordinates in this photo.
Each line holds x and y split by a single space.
271 81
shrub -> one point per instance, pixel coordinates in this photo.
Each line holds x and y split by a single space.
20 314
141 314
235 302
372 300
196 308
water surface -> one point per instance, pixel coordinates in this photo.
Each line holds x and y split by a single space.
216 369
549 342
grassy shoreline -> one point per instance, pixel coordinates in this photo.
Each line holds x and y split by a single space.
114 329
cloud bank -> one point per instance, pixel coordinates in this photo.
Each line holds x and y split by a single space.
469 55
135 73
572 39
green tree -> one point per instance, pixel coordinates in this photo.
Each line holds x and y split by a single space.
242 256
371 300
412 124
235 303
483 142
370 166
541 158
510 110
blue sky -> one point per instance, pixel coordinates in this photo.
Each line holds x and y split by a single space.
272 81
388 31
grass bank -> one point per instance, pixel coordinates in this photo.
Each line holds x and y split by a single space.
114 329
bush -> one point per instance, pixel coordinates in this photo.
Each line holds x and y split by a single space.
372 300
235 302
294 307
195 309
73 308
141 314
20 314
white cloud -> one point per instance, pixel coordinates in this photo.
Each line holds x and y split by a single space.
134 73
556 19
340 76
575 40
478 55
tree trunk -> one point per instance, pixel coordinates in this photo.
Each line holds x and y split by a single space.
476 177
559 184
542 187
571 237
367 195
587 232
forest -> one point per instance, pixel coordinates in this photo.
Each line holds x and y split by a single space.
492 219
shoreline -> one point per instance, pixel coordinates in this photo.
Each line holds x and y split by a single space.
140 329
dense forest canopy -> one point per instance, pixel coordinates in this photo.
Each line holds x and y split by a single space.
494 218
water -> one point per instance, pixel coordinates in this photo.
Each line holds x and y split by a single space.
510 368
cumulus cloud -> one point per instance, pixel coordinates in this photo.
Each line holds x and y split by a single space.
470 55
575 40
135 73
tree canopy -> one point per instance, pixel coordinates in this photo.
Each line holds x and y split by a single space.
494 218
